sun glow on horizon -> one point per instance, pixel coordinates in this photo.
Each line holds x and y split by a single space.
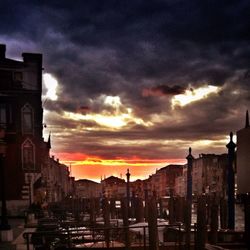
192 95
92 167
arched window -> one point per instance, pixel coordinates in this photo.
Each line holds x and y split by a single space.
28 155
27 119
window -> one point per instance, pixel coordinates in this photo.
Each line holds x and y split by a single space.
28 155
17 76
27 119
3 119
5 79
17 79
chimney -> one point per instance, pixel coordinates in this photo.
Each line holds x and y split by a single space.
2 51
33 58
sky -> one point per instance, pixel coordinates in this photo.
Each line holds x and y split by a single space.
134 84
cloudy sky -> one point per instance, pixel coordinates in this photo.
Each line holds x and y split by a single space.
135 83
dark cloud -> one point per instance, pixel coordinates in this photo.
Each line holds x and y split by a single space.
119 48
162 90
83 109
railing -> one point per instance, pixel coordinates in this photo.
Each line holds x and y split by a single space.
102 237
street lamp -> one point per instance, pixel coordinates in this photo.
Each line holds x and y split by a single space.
190 159
4 218
128 188
231 183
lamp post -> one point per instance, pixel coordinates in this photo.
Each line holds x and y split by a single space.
231 183
4 218
190 159
128 189
189 175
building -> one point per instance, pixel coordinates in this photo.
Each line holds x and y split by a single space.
30 174
87 189
243 158
180 188
21 116
209 174
113 187
58 181
137 188
163 181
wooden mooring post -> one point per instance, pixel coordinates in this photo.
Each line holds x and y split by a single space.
214 225
124 210
171 216
112 208
92 211
106 217
223 213
139 210
152 224
200 238
246 200
179 209
146 202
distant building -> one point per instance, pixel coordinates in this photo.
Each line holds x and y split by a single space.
137 188
180 188
113 187
209 174
163 181
243 158
58 181
87 189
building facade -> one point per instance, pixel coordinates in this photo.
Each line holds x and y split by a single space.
113 187
87 189
21 117
30 174
243 158
162 183
209 174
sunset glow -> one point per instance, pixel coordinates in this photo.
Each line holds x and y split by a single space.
94 167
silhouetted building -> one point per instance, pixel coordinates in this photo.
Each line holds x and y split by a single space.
21 116
243 158
31 174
